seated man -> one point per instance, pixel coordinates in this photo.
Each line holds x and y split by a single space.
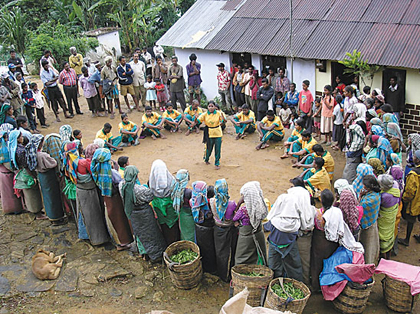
318 180
269 128
152 124
244 121
106 135
172 118
303 146
296 135
319 151
191 114
129 131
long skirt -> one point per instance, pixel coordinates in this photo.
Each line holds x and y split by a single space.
349 172
9 202
91 206
146 229
321 249
51 194
370 239
225 239
186 224
33 199
205 241
304 243
118 218
246 250
386 227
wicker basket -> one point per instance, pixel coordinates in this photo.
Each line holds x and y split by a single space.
256 285
354 297
397 295
185 276
275 302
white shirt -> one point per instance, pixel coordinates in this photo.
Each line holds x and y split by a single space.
50 63
158 50
248 90
91 69
139 69
148 57
285 115
338 115
39 99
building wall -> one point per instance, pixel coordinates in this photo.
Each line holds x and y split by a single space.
322 79
256 62
303 70
208 60
110 40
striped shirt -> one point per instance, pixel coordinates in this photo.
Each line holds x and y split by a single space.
68 78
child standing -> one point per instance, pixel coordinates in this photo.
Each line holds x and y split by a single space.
150 91
339 134
39 104
305 105
327 114
317 117
285 115
29 100
162 97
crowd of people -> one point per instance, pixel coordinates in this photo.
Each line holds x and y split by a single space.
361 216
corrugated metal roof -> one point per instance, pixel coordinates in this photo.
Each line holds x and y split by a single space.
387 32
197 27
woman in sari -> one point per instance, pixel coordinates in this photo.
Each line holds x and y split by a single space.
107 180
137 207
181 196
384 149
204 224
395 138
370 200
377 130
160 182
25 180
45 165
390 199
251 209
362 171
225 233
372 148
66 133
10 204
388 115
349 208
378 167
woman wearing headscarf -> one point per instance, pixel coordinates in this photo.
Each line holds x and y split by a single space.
10 204
362 171
251 209
136 199
370 200
160 182
378 167
376 121
90 150
6 115
390 199
225 233
384 149
377 130
349 208
66 133
204 224
181 196
371 149
107 180
388 115
394 135
45 165
414 145
25 179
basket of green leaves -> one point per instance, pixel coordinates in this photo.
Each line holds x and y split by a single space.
184 264
287 294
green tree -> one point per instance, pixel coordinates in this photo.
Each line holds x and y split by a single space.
355 64
13 31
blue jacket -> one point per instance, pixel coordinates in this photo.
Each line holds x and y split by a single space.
125 79
291 100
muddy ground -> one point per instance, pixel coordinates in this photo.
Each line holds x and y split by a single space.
102 280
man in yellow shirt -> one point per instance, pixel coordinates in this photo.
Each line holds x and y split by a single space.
244 121
129 131
76 63
270 128
318 176
319 151
191 114
212 137
303 145
106 135
172 118
152 124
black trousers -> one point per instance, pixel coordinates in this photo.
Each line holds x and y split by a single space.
180 97
71 96
40 115
56 97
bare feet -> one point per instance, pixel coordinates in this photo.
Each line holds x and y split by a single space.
112 116
265 146
197 130
284 156
238 136
154 137
217 167
207 163
259 146
162 136
243 136
57 119
187 133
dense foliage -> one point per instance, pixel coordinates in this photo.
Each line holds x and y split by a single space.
30 26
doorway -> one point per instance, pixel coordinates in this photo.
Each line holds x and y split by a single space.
337 69
388 73
274 62
241 58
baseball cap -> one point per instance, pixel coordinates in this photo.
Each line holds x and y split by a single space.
221 64
11 66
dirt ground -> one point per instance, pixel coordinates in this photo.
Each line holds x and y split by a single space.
240 163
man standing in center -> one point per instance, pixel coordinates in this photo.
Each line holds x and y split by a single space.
223 84
282 84
68 79
125 78
139 70
76 63
176 87
265 93
194 77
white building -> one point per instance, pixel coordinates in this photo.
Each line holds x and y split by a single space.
109 40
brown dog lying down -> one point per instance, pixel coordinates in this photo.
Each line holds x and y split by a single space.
45 265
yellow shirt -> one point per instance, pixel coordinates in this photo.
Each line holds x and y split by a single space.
173 115
121 172
242 117
328 163
320 180
276 122
128 127
106 137
308 145
297 133
212 120
192 111
153 119
76 62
